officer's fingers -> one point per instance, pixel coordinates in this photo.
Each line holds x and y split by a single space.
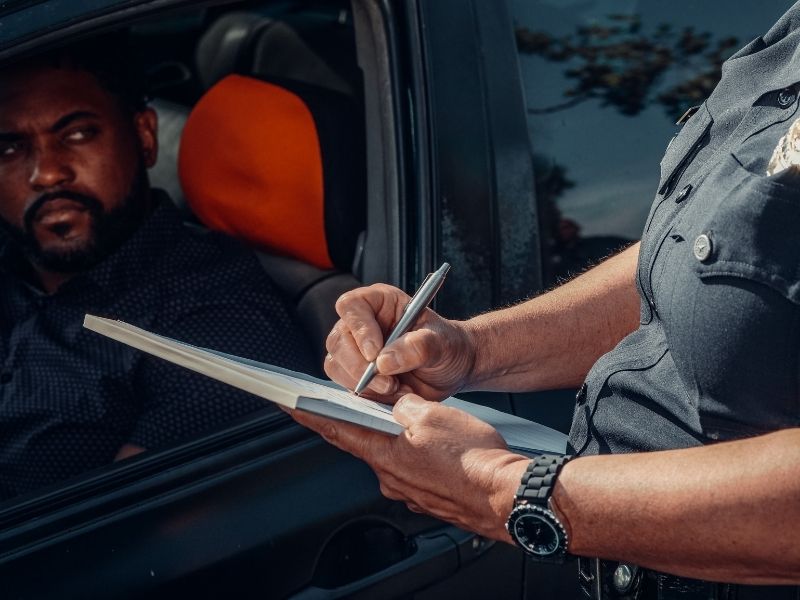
380 385
415 414
411 351
389 492
344 363
337 373
368 312
370 446
411 410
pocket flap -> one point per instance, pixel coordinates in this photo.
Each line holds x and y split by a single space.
755 234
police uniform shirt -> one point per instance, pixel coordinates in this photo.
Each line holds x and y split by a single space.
717 352
70 398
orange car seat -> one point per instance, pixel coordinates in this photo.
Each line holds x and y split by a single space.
257 162
280 165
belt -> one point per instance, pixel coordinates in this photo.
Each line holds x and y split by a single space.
607 580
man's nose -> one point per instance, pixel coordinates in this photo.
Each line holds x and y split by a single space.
51 168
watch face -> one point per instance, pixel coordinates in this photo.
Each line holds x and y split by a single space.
536 534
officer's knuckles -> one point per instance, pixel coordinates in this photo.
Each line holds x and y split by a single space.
416 349
383 385
412 411
389 492
346 301
436 416
334 337
334 370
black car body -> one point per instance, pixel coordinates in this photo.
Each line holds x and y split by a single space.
264 508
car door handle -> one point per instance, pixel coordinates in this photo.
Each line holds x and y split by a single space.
438 555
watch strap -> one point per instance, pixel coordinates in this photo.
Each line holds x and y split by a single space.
537 482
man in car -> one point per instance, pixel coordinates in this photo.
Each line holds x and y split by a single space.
685 349
83 232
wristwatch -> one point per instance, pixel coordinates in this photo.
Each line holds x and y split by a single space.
532 524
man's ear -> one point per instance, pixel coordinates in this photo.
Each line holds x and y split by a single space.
146 123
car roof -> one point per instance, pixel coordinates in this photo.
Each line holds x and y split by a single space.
24 20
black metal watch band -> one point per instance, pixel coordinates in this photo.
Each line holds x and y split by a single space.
539 478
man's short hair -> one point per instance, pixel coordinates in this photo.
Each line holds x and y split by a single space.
109 59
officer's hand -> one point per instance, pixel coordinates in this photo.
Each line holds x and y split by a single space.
432 360
446 463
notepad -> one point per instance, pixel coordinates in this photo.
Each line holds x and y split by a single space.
300 391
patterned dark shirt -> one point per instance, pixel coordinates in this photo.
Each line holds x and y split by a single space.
70 398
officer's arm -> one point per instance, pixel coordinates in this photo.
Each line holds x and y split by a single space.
553 340
726 512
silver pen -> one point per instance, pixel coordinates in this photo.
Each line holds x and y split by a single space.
418 303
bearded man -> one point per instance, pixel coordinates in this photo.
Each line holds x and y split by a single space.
83 232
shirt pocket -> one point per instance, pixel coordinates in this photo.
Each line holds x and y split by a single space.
754 233
736 318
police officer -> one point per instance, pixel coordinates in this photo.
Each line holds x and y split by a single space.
685 446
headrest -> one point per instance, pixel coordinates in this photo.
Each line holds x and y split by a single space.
226 46
281 169
248 43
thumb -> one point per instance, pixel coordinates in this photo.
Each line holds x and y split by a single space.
411 351
410 409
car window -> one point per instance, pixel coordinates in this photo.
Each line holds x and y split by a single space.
605 83
72 402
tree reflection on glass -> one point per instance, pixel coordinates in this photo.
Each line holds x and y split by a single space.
621 66
624 66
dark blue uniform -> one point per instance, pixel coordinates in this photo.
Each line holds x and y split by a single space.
717 353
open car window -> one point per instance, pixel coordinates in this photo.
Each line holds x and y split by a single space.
255 66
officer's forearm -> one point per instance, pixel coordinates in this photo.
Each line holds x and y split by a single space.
551 341
727 512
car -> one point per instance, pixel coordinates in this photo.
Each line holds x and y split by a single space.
517 140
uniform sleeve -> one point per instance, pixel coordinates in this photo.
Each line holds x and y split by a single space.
178 404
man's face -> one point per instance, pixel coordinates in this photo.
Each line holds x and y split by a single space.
72 166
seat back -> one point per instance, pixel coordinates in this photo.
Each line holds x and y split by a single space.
280 165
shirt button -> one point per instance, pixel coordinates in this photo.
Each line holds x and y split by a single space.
580 397
684 193
786 98
623 578
702 247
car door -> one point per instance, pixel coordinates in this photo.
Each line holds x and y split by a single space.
264 508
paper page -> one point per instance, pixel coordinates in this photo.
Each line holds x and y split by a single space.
520 434
285 387
279 387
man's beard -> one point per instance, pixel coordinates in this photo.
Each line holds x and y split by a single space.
109 230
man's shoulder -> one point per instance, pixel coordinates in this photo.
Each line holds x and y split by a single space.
205 259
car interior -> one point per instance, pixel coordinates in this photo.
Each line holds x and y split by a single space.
262 137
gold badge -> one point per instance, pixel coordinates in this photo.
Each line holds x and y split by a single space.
787 153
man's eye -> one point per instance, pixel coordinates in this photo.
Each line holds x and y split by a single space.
10 149
81 135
